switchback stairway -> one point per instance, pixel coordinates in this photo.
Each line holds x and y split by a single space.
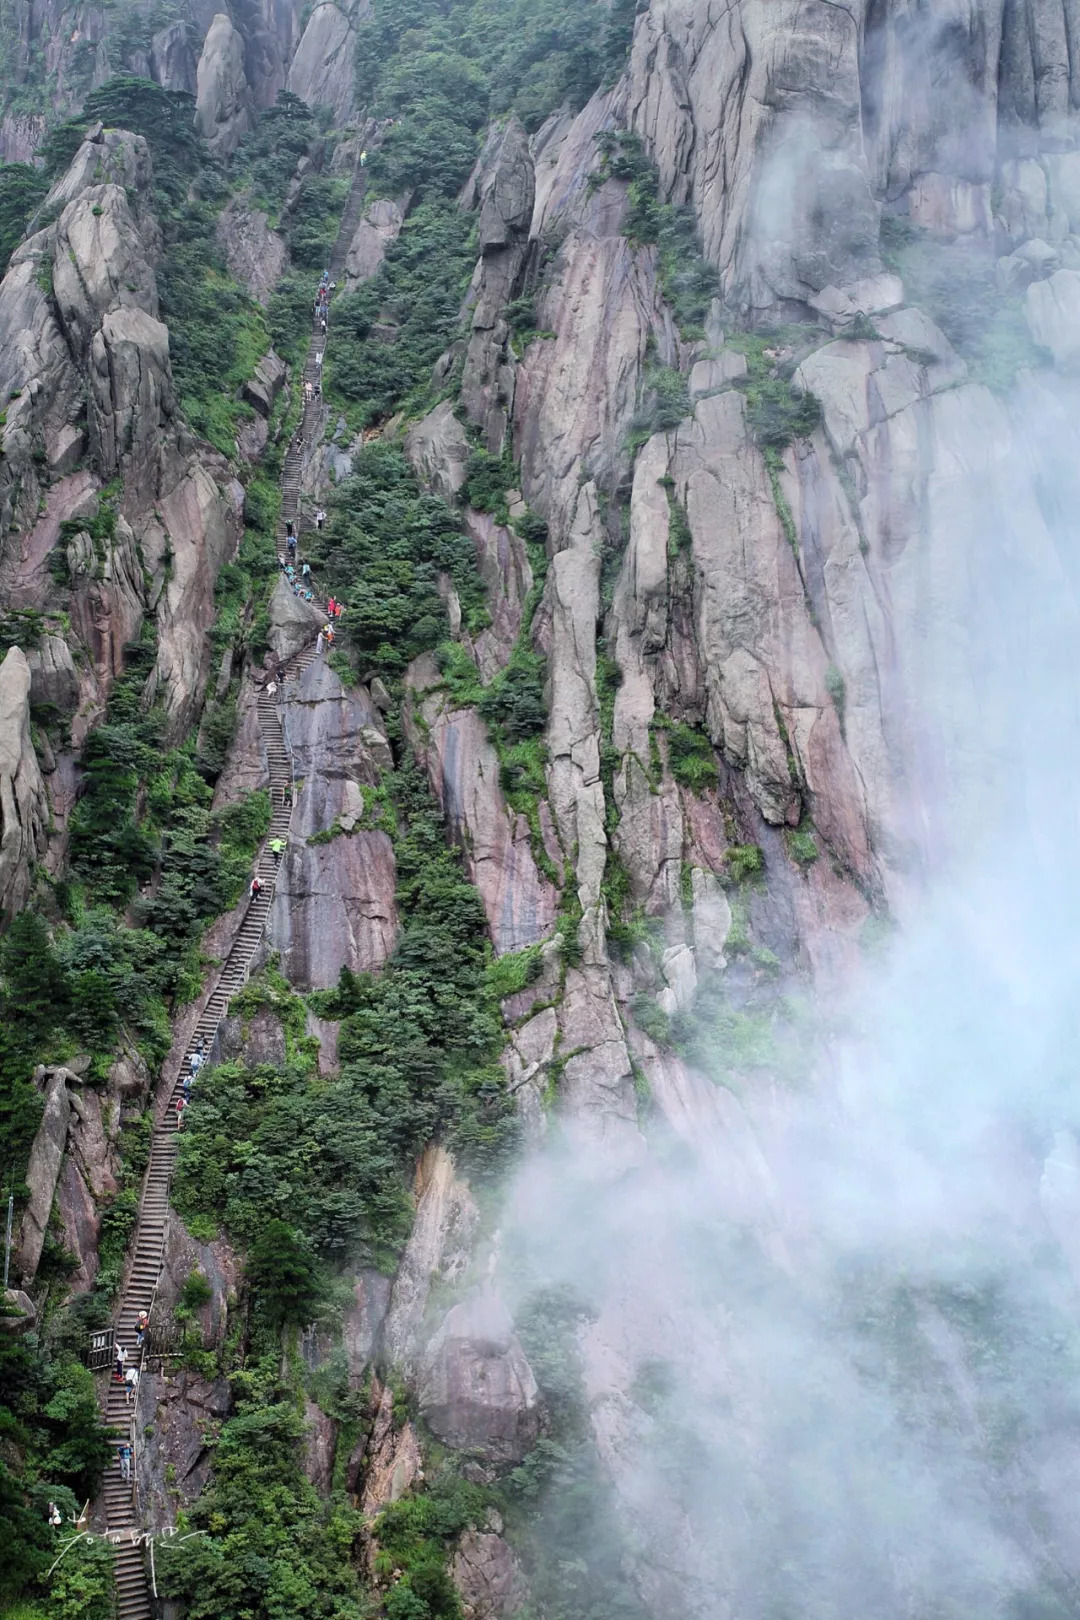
118 1500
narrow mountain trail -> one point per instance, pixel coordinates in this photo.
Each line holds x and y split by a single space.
118 1504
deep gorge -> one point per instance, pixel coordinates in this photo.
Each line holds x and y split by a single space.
637 1173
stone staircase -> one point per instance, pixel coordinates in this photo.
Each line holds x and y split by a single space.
118 1503
144 1268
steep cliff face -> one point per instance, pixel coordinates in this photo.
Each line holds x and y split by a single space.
760 401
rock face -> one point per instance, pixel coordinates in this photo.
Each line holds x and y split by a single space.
379 226
255 254
504 186
24 808
464 771
43 1172
322 69
477 1390
334 901
223 101
438 448
488 1576
86 369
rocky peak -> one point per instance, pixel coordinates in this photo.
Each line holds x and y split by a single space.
223 102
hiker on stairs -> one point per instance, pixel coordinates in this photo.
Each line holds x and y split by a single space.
123 1455
277 847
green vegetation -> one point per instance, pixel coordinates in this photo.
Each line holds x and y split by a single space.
146 812
776 413
744 862
383 550
266 159
270 1545
689 282
801 847
510 974
418 1046
389 333
415 1537
664 403
443 65
22 189
55 1449
691 756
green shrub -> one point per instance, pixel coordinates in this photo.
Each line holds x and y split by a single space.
801 848
22 188
83 1586
195 1293
652 1019
744 862
389 333
384 550
691 757
688 281
510 974
281 1270
418 1047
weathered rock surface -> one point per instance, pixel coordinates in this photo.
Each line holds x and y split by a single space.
438 448
223 104
504 567
379 225
463 768
322 69
393 1461
24 809
43 1172
477 1390
18 1314
334 901
505 194
255 254
54 680
438 1250
293 623
265 383
488 1576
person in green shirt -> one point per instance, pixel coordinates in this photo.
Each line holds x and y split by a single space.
276 848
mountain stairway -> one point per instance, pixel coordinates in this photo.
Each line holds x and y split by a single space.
118 1504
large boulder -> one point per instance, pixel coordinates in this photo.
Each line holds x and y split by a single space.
322 69
507 195
265 383
24 807
223 106
293 624
477 1391
438 448
132 399
381 224
488 1576
54 680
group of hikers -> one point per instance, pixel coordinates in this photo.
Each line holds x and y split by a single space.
322 299
128 1373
